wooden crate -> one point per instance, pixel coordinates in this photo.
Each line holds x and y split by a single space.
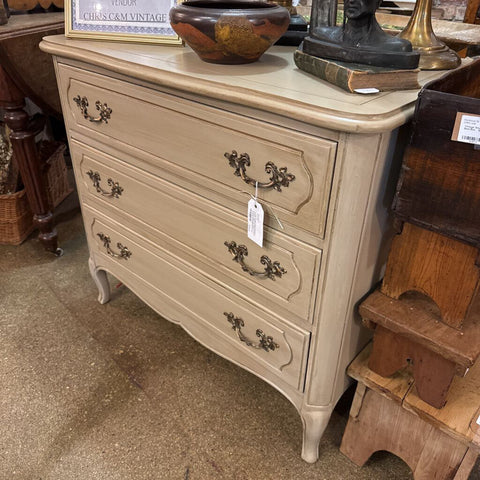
439 187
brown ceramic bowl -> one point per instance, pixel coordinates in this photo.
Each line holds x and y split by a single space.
231 32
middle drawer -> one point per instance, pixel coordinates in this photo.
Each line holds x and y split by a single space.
281 275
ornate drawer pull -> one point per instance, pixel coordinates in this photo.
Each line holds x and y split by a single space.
104 109
279 176
265 343
124 251
272 269
116 189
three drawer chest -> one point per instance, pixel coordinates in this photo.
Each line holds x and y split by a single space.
167 152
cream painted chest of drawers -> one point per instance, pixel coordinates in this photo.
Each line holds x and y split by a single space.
167 151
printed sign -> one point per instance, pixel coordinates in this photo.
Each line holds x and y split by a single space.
126 20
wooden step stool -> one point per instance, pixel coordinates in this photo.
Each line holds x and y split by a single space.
387 414
443 269
408 332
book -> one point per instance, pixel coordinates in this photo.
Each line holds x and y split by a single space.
355 77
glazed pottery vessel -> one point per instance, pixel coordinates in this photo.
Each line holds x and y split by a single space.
230 32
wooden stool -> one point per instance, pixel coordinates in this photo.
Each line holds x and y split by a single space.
408 332
440 267
387 414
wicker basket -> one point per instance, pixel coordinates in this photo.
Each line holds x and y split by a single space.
16 217
56 179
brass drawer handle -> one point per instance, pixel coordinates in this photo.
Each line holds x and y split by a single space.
124 251
265 343
104 109
279 176
116 189
272 269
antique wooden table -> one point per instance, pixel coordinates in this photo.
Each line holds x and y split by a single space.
25 71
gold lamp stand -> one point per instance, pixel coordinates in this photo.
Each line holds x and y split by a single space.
434 54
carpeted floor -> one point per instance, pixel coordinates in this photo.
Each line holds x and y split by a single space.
115 392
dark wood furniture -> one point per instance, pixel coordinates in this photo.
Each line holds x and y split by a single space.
439 187
471 12
427 310
26 71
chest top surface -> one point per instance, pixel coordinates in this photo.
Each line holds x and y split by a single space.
273 84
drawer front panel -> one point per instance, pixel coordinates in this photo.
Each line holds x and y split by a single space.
293 170
284 269
257 334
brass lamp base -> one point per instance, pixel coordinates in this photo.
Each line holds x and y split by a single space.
434 54
437 58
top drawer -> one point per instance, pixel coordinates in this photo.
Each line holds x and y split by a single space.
191 140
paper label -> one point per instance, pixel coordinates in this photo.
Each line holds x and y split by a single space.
367 90
466 128
255 222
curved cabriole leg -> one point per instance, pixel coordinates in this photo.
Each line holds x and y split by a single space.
101 280
314 424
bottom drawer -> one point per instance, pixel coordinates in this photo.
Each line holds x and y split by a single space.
218 319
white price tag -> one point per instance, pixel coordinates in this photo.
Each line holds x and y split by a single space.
478 421
255 222
467 128
367 91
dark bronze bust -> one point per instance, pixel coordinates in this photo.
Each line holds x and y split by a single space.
359 40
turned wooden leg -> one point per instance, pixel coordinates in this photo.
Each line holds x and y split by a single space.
432 373
101 281
314 424
445 270
23 143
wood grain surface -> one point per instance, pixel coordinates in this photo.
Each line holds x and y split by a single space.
412 319
439 186
437 266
